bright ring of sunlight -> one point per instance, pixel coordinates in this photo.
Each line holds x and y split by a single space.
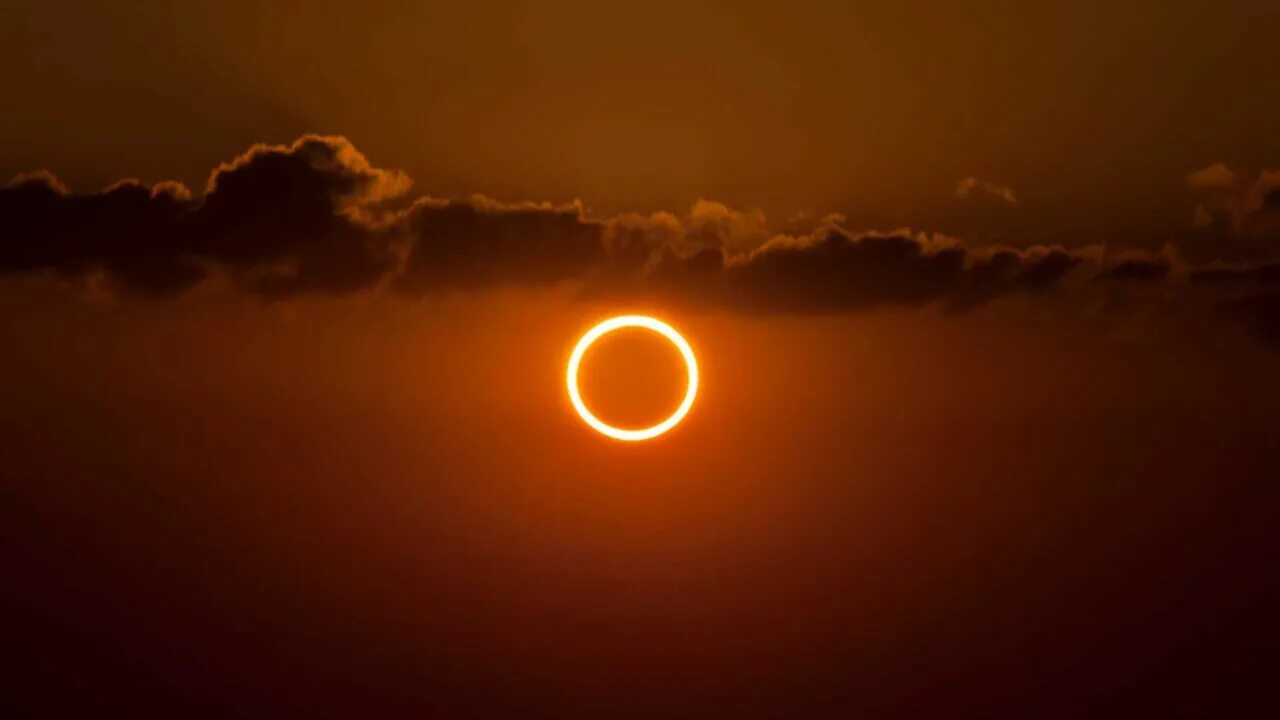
617 323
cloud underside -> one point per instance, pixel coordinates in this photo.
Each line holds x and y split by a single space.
316 217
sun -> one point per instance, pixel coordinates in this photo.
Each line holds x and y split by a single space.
632 321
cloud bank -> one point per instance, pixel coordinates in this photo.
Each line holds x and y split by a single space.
315 216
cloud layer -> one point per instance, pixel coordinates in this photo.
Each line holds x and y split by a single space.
282 220
316 217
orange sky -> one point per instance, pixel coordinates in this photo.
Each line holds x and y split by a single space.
403 485
986 303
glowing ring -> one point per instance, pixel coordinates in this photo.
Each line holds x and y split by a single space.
617 323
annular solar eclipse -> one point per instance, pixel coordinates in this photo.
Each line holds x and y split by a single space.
617 323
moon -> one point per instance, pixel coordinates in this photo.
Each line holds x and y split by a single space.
632 321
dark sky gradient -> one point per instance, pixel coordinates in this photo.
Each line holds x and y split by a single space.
1092 111
319 509
986 301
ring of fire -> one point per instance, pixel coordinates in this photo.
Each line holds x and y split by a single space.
617 323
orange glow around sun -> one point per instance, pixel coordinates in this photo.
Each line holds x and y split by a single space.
632 321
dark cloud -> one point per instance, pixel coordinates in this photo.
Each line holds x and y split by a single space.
133 232
280 219
480 243
1010 271
835 271
1265 273
1137 270
309 217
316 217
299 218
838 272
1039 273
